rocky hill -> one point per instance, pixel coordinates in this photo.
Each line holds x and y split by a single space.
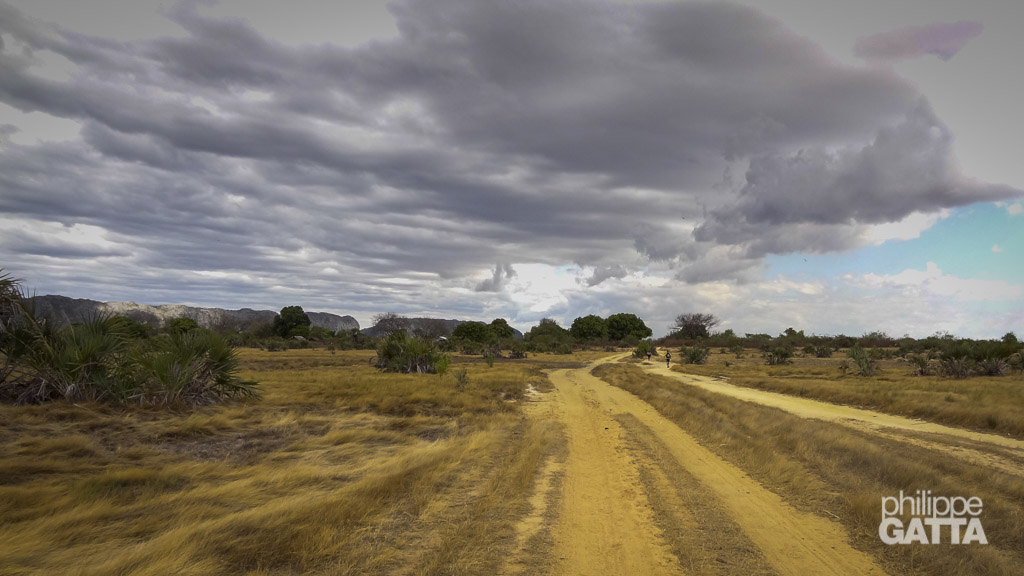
76 310
428 326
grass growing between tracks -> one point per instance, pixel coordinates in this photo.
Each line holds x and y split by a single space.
337 470
840 473
987 404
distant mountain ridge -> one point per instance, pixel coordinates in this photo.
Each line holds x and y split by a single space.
79 309
431 326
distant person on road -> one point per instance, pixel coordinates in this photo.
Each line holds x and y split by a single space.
648 354
668 358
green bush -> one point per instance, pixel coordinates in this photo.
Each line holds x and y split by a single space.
101 360
399 352
864 363
920 364
461 380
777 355
959 367
442 365
695 355
645 347
194 368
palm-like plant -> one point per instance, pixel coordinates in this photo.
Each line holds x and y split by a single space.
196 368
10 296
99 360
79 362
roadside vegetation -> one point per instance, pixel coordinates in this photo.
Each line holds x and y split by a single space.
338 469
941 354
984 403
840 473
109 359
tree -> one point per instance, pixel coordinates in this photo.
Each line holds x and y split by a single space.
319 333
181 325
388 323
137 330
589 328
621 326
695 325
292 321
500 328
472 332
548 336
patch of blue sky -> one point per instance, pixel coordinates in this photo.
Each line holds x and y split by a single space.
983 241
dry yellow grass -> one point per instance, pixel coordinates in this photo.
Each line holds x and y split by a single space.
337 470
993 403
832 470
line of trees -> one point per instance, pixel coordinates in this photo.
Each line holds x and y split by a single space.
942 353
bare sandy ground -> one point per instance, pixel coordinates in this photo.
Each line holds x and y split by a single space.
605 524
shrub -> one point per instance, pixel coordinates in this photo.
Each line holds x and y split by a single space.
195 368
461 380
79 362
958 367
920 364
957 359
643 348
442 365
777 355
822 351
275 345
695 355
399 352
99 360
992 367
865 365
177 325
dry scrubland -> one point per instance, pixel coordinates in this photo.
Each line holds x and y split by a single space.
833 471
987 403
338 469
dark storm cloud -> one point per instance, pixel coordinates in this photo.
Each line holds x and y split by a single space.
800 201
536 131
941 40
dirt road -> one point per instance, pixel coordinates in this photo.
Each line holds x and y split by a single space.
606 523
974 447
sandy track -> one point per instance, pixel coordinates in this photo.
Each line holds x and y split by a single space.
881 423
605 525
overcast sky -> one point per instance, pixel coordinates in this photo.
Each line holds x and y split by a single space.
830 166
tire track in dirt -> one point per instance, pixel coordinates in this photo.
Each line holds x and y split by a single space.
886 425
605 525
